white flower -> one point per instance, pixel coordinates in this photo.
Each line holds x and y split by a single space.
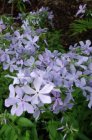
39 94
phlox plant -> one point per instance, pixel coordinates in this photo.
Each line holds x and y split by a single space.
42 84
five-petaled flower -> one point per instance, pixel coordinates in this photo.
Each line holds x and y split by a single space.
19 101
40 93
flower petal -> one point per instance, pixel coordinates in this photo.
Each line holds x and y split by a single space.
35 100
28 107
10 101
13 109
27 98
46 89
37 83
27 89
19 91
12 91
45 99
19 109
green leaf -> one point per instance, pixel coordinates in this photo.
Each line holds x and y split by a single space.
26 135
83 137
13 118
8 133
13 135
24 122
80 26
52 129
34 135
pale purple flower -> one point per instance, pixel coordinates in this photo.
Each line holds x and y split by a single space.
59 65
68 101
40 31
90 101
81 10
23 77
73 75
17 38
2 26
39 94
10 64
30 62
86 47
19 102
38 110
90 66
30 42
3 56
57 100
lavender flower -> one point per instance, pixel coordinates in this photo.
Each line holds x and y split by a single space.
39 94
57 100
2 26
81 11
18 101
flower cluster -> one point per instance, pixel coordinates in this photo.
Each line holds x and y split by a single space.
40 17
45 77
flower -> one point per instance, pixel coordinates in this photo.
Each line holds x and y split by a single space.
19 101
10 64
81 10
57 100
73 75
39 94
22 77
2 26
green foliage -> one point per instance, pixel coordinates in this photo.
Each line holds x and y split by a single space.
89 13
17 128
20 5
54 38
52 129
4 83
52 41
24 122
80 26
38 19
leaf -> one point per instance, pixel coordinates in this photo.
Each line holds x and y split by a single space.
13 135
70 137
24 122
83 137
34 135
13 118
3 129
26 136
80 26
52 129
8 133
